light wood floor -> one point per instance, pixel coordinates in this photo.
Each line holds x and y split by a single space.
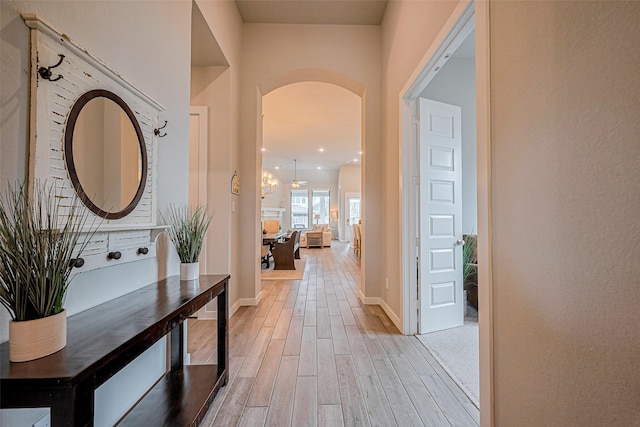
311 354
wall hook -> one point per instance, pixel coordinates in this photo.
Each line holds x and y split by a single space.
156 131
45 72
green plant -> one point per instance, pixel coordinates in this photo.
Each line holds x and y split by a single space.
188 228
37 244
469 257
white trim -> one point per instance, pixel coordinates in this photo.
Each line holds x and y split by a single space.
460 24
33 22
244 302
383 304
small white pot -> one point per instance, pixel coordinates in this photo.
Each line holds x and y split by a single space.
33 339
189 271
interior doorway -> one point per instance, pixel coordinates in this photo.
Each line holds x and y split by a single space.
352 210
467 19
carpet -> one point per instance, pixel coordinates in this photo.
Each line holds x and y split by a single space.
456 349
271 274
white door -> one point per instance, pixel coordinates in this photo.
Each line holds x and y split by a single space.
352 214
440 291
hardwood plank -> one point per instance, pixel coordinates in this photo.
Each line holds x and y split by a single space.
254 356
322 323
428 410
406 415
274 313
265 305
340 342
310 313
393 388
321 297
345 312
376 352
282 326
261 392
301 303
253 417
231 410
354 411
328 389
447 401
243 342
359 351
294 337
377 405
332 305
308 356
281 407
305 406
330 415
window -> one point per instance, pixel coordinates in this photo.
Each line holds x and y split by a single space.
299 209
303 214
320 199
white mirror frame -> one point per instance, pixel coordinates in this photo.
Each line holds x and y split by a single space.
50 104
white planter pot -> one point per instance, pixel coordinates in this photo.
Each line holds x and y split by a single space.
189 271
33 339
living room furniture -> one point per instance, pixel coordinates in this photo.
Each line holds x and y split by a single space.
265 253
106 338
284 253
314 239
357 240
271 226
321 228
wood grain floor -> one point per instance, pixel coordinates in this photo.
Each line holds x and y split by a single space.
311 354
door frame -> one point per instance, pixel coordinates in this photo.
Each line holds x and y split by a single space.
348 195
468 16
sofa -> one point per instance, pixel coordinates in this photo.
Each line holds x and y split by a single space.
318 236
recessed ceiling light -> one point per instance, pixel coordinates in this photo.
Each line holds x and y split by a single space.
263 149
355 160
319 167
360 152
321 150
277 167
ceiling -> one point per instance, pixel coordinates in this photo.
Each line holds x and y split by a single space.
301 119
340 12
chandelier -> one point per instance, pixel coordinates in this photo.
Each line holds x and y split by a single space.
269 183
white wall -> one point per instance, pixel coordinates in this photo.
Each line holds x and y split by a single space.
134 40
566 195
455 84
274 55
408 29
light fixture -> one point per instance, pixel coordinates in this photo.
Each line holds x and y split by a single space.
355 160
321 150
317 218
319 167
263 149
269 183
295 183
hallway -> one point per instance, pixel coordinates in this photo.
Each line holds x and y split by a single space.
311 354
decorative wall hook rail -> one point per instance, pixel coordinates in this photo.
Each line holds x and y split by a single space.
45 72
156 131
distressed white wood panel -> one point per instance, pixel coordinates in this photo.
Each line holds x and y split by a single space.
51 103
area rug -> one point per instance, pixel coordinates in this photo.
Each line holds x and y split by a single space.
456 349
271 274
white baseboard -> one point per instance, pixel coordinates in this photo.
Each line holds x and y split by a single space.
242 302
383 304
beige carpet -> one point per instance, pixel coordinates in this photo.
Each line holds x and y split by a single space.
271 274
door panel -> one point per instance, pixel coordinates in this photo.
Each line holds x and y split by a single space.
440 290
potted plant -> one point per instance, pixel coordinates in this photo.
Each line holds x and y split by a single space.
188 228
37 247
470 268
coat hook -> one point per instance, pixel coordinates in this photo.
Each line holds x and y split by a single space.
45 72
156 131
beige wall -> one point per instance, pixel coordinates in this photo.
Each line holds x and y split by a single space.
274 55
135 40
408 30
566 196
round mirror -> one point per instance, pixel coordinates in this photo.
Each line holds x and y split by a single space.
105 154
